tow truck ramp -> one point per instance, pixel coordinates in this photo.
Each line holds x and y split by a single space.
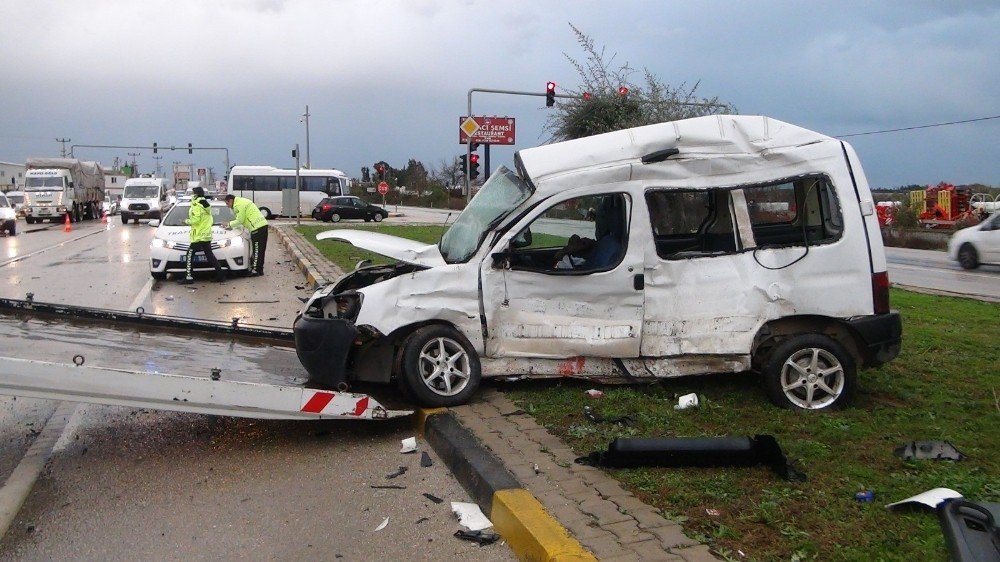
184 393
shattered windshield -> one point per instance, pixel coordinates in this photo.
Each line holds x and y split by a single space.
500 195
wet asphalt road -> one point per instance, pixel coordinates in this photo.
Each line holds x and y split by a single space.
128 483
932 270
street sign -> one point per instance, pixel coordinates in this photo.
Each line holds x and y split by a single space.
383 188
486 130
201 171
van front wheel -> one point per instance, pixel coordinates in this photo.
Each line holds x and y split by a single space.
440 367
810 372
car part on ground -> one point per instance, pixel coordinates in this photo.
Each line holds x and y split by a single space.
696 451
929 450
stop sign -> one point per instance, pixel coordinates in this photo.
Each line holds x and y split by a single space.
383 188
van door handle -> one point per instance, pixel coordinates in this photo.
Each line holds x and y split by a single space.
638 282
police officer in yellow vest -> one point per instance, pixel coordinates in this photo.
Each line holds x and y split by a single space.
200 220
250 217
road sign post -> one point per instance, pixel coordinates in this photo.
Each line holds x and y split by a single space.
383 188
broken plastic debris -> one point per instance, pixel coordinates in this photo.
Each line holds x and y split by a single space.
433 498
929 450
470 516
687 401
866 496
401 471
409 445
594 393
712 512
930 498
593 416
170 297
425 459
385 522
482 537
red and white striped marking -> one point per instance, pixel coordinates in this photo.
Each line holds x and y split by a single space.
340 404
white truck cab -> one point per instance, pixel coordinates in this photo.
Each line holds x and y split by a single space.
709 245
144 197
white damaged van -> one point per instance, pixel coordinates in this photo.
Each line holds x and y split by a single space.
708 245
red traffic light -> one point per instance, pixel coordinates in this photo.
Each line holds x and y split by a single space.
550 87
474 158
622 91
587 96
550 94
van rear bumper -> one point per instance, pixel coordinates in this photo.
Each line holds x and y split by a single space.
880 337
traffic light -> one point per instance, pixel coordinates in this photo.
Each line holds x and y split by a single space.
550 94
154 148
587 96
365 177
473 166
190 149
464 165
622 91
380 168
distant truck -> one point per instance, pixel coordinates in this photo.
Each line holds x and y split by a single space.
144 198
56 188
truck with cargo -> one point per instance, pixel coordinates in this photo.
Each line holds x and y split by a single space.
56 188
720 244
144 198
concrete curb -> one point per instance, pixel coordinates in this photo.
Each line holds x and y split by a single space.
532 533
313 277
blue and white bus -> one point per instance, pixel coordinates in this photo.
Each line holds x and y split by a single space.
264 185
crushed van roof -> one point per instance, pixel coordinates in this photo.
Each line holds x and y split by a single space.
613 154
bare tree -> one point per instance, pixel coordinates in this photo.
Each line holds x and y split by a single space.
610 109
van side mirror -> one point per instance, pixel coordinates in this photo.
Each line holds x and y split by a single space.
522 240
501 259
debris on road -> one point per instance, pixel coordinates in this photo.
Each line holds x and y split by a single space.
594 393
866 496
433 498
425 459
409 445
385 523
388 487
470 516
929 450
483 538
696 451
402 470
711 512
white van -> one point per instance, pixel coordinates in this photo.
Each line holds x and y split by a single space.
144 198
708 245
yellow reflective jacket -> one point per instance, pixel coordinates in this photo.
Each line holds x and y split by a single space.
200 220
247 214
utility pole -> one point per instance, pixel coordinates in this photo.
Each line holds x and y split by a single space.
157 158
63 142
305 116
133 155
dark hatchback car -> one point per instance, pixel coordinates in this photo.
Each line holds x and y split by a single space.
333 209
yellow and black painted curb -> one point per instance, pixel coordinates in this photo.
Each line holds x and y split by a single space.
517 515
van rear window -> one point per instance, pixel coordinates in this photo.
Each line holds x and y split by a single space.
794 212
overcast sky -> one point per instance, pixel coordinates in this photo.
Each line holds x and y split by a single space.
388 79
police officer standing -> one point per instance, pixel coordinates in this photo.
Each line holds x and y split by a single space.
200 220
250 217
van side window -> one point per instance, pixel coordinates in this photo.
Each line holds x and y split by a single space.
584 234
690 224
794 212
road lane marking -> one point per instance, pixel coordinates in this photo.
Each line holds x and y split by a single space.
141 297
17 487
46 249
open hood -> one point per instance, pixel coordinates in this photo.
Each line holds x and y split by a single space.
402 249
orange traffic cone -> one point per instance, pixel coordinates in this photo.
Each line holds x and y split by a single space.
66 225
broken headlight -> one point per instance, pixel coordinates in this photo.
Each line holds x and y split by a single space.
348 305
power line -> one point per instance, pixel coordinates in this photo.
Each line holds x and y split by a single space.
918 127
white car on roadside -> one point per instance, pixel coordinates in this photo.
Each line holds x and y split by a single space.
977 244
167 251
8 217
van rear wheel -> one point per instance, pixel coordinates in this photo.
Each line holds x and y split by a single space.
439 367
810 372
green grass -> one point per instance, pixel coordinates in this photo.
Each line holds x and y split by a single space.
943 385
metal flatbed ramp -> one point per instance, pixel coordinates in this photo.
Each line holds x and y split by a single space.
182 393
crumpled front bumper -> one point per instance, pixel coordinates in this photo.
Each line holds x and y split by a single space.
324 346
